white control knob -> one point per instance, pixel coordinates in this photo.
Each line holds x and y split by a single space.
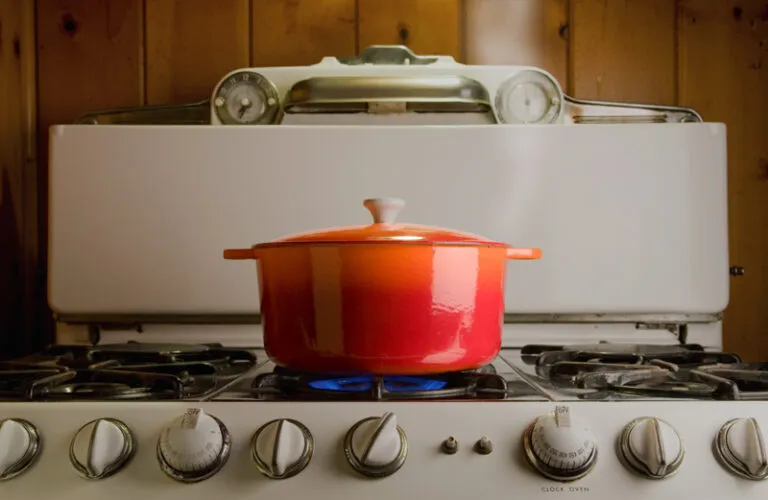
19 447
376 446
651 447
101 447
193 447
740 446
282 448
560 447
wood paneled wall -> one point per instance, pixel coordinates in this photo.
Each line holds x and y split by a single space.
20 285
708 54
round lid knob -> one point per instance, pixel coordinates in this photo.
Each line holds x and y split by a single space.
376 446
282 448
560 447
193 447
651 447
19 447
101 447
741 448
384 210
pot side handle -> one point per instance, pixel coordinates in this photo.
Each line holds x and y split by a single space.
239 254
523 253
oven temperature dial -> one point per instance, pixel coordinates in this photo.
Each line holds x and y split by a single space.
560 447
19 447
740 446
193 447
376 446
282 448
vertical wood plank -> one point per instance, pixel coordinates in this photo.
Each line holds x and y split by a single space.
518 32
12 163
723 57
623 50
90 57
300 32
191 44
426 26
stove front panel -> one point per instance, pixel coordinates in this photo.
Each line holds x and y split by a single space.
427 472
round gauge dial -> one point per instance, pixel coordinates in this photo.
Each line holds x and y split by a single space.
529 97
246 98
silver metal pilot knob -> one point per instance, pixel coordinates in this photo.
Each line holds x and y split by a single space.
559 446
19 447
376 446
282 448
740 446
651 447
101 447
193 447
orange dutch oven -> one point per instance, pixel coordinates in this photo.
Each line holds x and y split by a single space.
383 299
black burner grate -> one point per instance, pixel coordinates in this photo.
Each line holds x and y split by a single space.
679 371
122 372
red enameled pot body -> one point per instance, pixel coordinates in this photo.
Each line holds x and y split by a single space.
382 300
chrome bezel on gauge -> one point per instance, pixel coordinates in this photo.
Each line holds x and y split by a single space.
29 457
306 456
267 88
125 455
198 475
548 84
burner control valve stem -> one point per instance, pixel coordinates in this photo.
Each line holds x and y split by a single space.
450 445
484 446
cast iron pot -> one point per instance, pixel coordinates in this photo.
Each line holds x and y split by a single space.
382 299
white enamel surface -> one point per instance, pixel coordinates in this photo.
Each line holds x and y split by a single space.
98 446
14 443
281 446
513 335
191 442
563 443
329 477
655 444
746 443
377 443
636 214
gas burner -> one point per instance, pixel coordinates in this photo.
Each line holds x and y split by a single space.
122 371
604 371
282 383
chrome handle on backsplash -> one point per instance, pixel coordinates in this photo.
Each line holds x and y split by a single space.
197 113
637 113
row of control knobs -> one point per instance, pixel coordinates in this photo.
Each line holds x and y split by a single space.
564 449
196 445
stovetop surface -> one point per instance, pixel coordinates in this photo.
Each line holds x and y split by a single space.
600 372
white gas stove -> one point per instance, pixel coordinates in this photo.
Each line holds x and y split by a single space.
610 380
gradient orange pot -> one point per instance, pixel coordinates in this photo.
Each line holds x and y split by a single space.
382 299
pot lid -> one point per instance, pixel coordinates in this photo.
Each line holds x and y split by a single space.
384 229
